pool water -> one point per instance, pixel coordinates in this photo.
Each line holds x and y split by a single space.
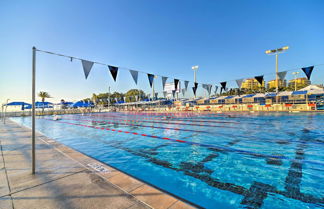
234 160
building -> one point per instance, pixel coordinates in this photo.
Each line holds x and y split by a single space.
252 84
169 88
273 84
300 83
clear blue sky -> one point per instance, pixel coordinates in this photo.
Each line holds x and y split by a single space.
227 39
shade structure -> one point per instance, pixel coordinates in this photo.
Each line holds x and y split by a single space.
299 93
271 94
43 105
17 104
82 104
23 105
248 95
284 93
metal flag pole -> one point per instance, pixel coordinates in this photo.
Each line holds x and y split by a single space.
33 110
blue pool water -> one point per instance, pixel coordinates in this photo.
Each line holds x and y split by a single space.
211 160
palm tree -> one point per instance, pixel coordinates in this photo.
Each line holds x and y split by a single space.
43 95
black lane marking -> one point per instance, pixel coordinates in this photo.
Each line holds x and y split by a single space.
205 177
257 193
295 173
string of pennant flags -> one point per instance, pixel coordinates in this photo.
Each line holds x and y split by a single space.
87 66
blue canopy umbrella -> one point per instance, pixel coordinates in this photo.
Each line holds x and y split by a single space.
299 92
249 95
43 105
82 104
23 105
271 94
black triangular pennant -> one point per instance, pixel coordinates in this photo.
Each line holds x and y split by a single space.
176 82
196 85
113 70
151 78
194 89
308 71
259 79
223 86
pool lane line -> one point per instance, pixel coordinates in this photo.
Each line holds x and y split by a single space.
161 118
223 134
217 148
129 124
186 124
193 120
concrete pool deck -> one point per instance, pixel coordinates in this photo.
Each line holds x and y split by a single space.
66 178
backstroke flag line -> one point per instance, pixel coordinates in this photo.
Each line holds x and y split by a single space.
134 74
308 71
87 65
113 70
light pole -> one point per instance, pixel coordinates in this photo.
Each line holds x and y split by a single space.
277 52
108 97
195 68
295 74
5 111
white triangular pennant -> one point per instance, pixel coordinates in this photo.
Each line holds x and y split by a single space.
239 82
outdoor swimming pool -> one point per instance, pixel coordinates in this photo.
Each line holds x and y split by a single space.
234 160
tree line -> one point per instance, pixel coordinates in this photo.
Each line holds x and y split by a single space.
132 95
